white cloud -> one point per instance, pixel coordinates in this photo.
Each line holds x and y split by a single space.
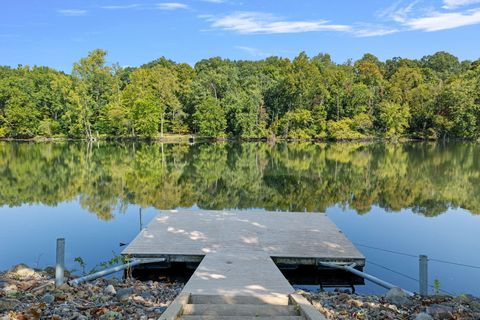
253 51
373 31
441 21
171 6
416 17
120 7
452 4
72 12
400 17
397 13
263 23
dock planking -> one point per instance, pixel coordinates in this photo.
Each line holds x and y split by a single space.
237 252
295 237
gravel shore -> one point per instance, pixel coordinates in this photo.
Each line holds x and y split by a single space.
343 306
26 293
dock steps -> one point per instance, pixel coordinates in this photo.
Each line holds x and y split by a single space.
218 307
229 299
252 310
242 318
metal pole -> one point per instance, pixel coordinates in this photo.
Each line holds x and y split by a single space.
140 215
60 265
423 276
367 276
105 272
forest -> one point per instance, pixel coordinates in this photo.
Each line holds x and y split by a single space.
435 97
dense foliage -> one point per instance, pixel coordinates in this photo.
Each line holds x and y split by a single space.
429 178
307 98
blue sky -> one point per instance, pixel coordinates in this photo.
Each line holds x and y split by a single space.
57 33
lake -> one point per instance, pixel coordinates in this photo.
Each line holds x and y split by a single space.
411 198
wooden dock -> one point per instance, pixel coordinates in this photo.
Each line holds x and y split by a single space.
238 252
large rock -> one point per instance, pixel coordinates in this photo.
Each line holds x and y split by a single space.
21 271
124 293
423 316
439 311
110 290
397 297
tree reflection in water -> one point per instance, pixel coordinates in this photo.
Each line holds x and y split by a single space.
429 178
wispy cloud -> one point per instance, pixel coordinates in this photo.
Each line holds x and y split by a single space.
452 4
373 31
121 6
171 6
397 12
72 12
441 21
264 23
253 51
415 16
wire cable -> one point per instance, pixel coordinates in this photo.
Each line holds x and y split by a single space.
394 271
408 277
416 256
454 263
385 250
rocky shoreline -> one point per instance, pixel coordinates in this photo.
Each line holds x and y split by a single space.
394 305
27 293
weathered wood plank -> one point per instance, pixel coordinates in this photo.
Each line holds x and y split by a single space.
278 234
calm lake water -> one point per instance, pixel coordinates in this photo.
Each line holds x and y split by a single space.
415 198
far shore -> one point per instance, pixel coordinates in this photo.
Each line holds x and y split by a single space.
191 138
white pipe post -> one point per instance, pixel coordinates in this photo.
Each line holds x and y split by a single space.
423 275
60 265
121 267
351 269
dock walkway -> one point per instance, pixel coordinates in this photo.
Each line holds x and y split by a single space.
238 251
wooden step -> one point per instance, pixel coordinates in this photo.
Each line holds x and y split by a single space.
229 299
253 310
241 318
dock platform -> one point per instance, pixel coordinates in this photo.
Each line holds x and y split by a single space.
239 252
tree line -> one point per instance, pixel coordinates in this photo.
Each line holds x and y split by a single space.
435 97
105 178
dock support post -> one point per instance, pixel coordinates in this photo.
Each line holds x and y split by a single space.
423 276
60 265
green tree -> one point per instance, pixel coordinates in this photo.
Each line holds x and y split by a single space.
151 100
94 81
209 118
393 119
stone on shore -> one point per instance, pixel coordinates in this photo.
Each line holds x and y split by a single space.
110 290
439 311
21 272
423 316
124 293
397 296
48 298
